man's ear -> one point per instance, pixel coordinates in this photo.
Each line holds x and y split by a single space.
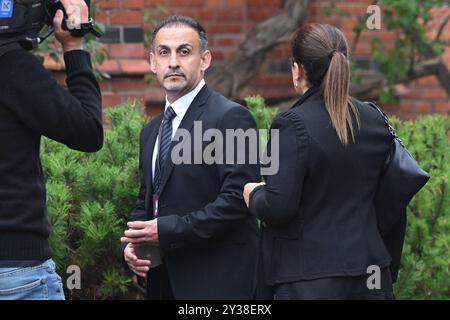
206 60
152 62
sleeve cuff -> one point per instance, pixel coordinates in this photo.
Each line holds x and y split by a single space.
250 197
77 59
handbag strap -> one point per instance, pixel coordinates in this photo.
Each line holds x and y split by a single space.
391 131
385 118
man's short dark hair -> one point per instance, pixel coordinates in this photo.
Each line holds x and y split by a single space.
186 21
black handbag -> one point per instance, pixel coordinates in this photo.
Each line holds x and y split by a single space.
400 180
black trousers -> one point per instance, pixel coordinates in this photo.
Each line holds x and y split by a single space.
158 284
336 288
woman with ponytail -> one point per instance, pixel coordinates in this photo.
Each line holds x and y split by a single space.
319 231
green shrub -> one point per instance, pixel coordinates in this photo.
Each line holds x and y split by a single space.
263 114
424 271
90 197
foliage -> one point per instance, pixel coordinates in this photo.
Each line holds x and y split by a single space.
424 272
90 196
262 113
408 20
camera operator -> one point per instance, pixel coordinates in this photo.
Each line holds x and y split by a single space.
32 105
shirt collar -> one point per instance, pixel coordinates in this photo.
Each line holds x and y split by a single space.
181 105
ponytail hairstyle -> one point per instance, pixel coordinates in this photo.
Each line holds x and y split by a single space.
322 51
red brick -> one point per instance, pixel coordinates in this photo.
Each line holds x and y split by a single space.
128 84
218 55
225 42
224 28
215 3
102 17
428 81
230 15
187 11
235 3
434 93
424 107
129 50
127 17
111 100
155 95
110 66
443 107
404 107
349 23
133 4
196 3
206 14
105 85
260 13
137 67
108 4
363 49
177 3
274 80
262 3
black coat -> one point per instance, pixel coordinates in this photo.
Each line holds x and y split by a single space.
32 105
207 235
317 211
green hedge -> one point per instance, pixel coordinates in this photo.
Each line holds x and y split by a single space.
90 197
424 272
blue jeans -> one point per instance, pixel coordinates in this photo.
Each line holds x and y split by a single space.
40 282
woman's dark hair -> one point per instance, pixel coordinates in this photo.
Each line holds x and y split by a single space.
322 51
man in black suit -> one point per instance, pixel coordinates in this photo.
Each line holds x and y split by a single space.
192 211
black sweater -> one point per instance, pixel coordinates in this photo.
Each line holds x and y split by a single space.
32 104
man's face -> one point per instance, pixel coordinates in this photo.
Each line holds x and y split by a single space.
177 61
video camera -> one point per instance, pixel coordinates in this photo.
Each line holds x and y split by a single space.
21 21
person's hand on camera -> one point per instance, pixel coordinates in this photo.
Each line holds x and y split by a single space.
77 12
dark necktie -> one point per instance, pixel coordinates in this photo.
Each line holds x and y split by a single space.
165 138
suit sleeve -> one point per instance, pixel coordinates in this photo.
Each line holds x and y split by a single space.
73 116
277 202
228 210
139 212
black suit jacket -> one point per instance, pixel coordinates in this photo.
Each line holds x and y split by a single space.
318 211
208 237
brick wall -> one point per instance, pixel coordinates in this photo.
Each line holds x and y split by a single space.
226 22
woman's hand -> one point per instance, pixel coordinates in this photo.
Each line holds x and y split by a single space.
248 188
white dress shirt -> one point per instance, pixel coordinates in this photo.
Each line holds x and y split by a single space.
180 106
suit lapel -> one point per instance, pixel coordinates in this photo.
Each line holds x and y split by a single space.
193 113
147 154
